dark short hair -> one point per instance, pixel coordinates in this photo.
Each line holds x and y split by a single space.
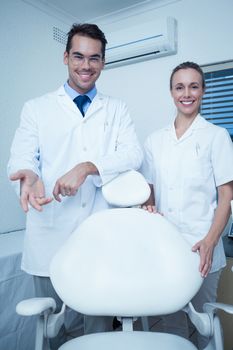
88 30
186 65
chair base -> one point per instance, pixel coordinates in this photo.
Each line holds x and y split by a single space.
135 340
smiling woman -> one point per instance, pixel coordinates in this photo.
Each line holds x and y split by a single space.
187 92
188 173
187 86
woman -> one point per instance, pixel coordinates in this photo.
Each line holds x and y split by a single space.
189 165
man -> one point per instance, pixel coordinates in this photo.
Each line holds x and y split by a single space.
68 152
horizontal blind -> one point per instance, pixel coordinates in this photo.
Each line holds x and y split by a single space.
217 103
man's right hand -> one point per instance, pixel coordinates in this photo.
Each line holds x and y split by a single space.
31 190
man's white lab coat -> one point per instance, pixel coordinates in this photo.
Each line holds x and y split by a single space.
52 138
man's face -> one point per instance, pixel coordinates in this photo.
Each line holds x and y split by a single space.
84 62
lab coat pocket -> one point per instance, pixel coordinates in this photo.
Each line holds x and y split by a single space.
196 165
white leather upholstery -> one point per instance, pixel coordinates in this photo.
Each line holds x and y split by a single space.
126 262
128 189
129 341
35 306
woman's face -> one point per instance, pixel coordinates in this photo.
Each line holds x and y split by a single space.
187 91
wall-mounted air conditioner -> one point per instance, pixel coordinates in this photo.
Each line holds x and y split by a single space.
142 42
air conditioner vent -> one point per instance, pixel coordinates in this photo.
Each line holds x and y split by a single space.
59 35
141 42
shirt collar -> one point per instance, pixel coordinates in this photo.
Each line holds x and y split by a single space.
73 93
198 123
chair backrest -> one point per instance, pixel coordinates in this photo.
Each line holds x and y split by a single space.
127 189
126 262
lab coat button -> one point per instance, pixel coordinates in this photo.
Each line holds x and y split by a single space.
85 149
170 210
83 205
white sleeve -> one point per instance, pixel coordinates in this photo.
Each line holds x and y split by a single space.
147 164
222 157
25 153
125 154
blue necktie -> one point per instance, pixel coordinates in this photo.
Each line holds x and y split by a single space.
80 102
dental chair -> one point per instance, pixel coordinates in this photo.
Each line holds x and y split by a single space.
128 263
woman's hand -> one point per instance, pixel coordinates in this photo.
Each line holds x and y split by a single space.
150 208
205 249
206 246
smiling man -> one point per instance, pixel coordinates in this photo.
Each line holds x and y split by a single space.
69 143
85 60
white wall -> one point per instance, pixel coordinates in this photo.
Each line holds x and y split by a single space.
30 65
205 32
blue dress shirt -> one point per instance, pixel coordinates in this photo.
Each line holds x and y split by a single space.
73 94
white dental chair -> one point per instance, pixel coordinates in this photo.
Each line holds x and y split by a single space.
128 263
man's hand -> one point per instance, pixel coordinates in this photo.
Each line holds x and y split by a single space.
31 190
69 183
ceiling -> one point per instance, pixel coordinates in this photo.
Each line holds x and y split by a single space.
88 10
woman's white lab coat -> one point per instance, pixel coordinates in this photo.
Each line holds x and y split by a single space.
52 138
185 173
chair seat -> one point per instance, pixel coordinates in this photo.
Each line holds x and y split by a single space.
129 341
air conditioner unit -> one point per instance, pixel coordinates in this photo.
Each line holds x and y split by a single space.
142 42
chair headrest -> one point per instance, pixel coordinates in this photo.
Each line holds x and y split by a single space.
127 189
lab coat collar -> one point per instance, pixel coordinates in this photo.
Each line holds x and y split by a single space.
61 91
97 102
73 93
198 123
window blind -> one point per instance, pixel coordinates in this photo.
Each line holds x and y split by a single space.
217 103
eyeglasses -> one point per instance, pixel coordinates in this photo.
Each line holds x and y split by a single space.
78 59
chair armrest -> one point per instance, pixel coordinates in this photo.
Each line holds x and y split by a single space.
55 322
201 321
35 306
211 308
